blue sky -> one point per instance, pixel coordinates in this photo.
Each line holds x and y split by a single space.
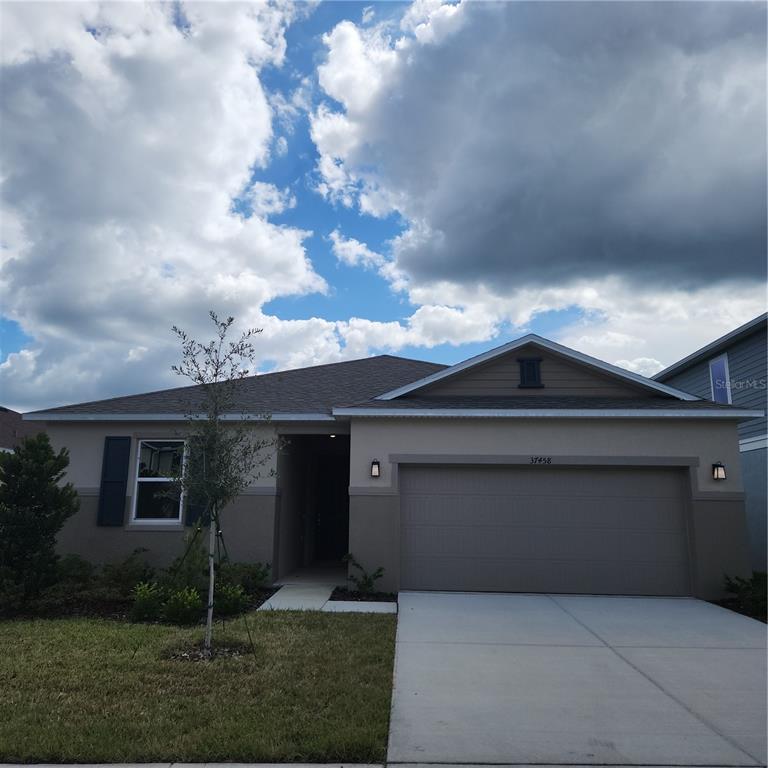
426 179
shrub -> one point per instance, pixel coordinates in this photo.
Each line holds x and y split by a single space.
250 576
229 600
147 602
183 606
34 505
365 582
75 571
122 578
749 595
190 569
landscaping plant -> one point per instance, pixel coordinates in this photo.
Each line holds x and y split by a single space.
365 582
148 599
221 458
184 606
34 505
749 595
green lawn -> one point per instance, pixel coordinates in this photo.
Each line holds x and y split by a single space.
91 690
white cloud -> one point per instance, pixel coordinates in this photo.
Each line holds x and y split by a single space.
125 141
553 156
352 252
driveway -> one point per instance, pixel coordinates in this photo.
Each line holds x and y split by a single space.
536 679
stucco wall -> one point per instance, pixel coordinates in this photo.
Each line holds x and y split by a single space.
754 466
85 442
715 510
248 523
711 441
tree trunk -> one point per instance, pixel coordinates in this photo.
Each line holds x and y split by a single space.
211 581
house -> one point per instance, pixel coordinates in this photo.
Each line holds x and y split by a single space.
13 429
529 468
734 370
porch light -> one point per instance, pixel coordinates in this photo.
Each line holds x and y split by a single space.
718 471
375 468
331 436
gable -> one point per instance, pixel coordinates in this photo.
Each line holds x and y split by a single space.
500 376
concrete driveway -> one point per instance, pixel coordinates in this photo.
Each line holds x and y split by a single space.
538 679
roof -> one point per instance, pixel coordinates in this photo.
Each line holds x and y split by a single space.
579 357
714 347
535 406
294 394
12 428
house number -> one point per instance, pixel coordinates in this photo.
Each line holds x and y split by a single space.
541 459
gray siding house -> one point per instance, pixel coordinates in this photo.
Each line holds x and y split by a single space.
733 370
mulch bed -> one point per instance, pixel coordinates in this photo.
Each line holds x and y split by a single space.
84 606
341 593
732 604
197 652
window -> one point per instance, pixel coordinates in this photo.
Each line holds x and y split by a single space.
530 372
158 463
719 379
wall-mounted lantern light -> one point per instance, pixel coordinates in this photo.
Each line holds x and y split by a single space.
718 471
375 468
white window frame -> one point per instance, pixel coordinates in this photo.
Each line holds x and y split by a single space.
724 358
149 521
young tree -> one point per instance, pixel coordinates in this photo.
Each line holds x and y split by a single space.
222 457
33 507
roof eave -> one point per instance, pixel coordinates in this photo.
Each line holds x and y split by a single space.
256 417
554 413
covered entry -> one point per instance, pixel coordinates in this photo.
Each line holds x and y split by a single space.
544 529
313 522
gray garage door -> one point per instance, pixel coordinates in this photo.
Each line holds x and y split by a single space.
544 529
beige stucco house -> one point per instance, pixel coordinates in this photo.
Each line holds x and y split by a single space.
528 468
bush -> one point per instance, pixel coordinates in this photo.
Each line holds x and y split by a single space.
34 505
229 600
75 571
147 602
122 578
250 576
365 582
190 569
749 595
184 606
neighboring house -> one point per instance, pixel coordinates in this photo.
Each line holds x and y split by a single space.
528 468
13 429
734 370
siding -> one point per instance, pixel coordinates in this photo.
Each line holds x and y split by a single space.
500 377
748 369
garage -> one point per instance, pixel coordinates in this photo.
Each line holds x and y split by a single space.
599 530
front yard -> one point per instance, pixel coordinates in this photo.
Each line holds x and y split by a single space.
94 690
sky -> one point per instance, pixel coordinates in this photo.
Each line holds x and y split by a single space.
423 179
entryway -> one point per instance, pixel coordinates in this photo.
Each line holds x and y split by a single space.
313 520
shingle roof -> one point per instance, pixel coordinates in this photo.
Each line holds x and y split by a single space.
536 402
303 390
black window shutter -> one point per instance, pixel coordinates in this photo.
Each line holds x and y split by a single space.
114 480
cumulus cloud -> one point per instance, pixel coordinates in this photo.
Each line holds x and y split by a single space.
608 157
352 252
542 156
126 137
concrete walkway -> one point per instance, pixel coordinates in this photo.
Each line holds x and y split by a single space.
316 597
536 679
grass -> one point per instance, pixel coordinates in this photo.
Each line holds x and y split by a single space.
94 690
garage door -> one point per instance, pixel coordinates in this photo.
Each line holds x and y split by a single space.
544 529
